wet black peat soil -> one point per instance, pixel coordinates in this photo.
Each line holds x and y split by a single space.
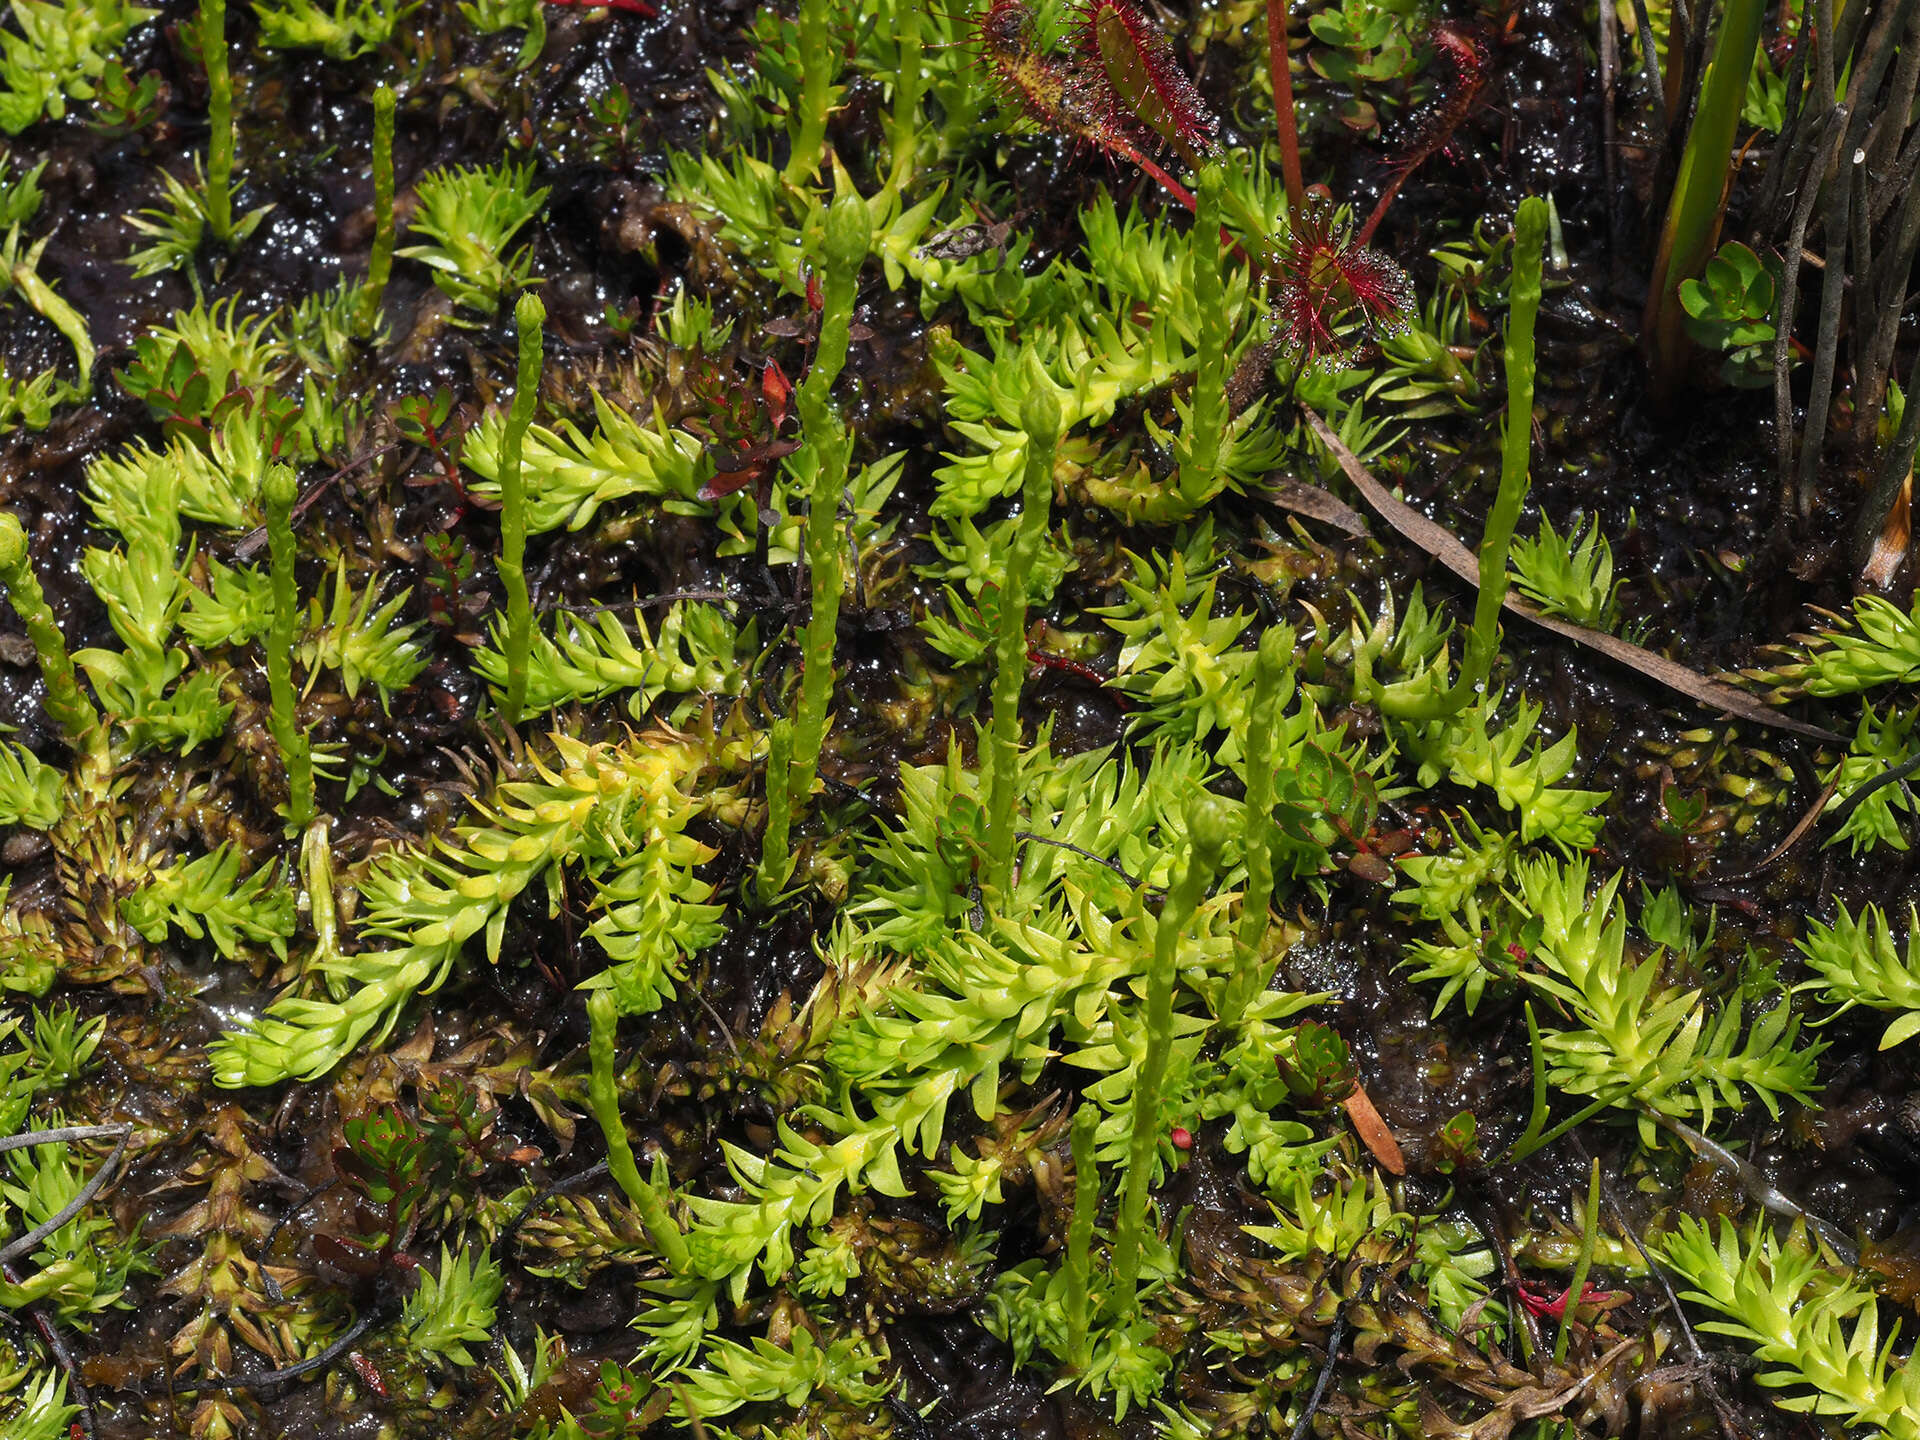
1686 501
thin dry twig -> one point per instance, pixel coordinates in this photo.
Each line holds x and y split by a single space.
85 1193
1442 546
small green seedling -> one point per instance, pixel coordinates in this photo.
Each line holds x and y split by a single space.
1730 309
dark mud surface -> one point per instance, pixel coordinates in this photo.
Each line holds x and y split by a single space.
1686 502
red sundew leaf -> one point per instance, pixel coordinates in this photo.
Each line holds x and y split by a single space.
1378 287
745 466
729 482
1468 51
1076 101
1028 77
1326 277
1117 40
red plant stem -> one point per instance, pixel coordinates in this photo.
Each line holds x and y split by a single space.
1365 233
1172 186
1280 67
1180 192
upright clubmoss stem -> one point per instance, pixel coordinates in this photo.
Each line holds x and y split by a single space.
1207 410
296 752
1272 689
213 53
818 65
1086 1208
1040 416
1207 830
65 701
603 1097
848 233
380 260
529 319
909 88
1483 639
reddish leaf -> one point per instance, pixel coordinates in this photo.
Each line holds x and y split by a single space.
1374 1132
776 390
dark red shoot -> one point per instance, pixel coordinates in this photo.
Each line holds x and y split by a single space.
742 427
1327 277
1545 1305
1467 51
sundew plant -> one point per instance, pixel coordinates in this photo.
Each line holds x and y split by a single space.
900 719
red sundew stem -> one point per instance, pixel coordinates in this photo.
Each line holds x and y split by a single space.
1172 186
1281 69
1180 192
1365 232
1469 63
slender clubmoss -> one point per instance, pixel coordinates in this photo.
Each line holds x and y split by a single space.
848 233
1207 410
1086 1206
65 701
1272 687
818 63
909 88
1040 416
296 750
1207 831
529 318
380 261
213 53
1483 639
604 1098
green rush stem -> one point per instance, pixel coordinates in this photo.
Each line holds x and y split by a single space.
380 261
1589 1236
1207 410
1694 208
1086 1207
603 1097
296 750
1522 1149
816 88
65 701
1537 1113
848 234
1272 689
1041 415
1207 831
1483 640
529 319
213 54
